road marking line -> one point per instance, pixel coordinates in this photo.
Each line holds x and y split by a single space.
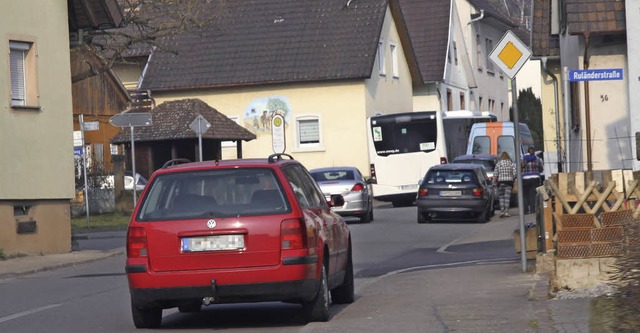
443 248
416 268
28 312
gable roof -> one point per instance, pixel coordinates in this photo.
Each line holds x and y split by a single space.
172 120
272 41
427 24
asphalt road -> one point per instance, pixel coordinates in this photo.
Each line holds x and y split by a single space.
94 296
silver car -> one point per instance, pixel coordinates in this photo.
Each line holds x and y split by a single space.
348 182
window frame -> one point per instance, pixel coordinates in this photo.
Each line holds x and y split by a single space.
488 63
479 54
30 97
311 146
455 53
381 59
395 69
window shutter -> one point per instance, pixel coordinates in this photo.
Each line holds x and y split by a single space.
309 131
17 61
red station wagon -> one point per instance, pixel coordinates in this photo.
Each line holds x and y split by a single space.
233 231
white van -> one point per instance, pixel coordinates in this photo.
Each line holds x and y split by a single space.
495 137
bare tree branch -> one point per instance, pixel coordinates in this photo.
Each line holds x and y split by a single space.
148 25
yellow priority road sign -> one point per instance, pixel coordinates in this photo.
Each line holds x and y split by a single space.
510 54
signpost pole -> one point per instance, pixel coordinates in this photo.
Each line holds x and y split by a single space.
131 120
200 131
199 125
84 168
516 126
133 167
566 105
510 55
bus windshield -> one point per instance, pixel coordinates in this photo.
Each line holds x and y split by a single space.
404 133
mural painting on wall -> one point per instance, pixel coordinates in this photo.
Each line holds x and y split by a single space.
257 116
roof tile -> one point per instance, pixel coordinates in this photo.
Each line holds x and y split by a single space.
171 120
273 41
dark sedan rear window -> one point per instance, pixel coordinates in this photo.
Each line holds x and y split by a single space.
450 177
488 165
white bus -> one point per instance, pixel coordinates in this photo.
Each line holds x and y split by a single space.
403 146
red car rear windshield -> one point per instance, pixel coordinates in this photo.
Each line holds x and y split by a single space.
214 193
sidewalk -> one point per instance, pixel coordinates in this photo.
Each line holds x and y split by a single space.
31 264
489 297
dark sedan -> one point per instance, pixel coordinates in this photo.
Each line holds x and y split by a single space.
455 192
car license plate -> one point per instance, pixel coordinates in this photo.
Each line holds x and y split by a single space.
450 193
409 187
213 243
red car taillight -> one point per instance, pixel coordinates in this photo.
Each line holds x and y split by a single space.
423 192
293 234
136 242
443 160
357 187
477 192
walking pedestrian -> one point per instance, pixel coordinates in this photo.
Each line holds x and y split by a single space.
503 176
531 169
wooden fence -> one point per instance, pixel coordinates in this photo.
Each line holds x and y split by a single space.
585 212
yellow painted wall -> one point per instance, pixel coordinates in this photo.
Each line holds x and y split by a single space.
426 99
339 106
37 144
37 178
129 74
53 228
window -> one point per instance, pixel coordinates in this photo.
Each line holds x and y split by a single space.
481 145
488 49
462 101
23 74
381 62
308 131
507 143
491 106
479 57
455 53
480 104
98 151
449 100
304 187
394 60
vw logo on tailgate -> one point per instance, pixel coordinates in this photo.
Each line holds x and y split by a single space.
211 224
